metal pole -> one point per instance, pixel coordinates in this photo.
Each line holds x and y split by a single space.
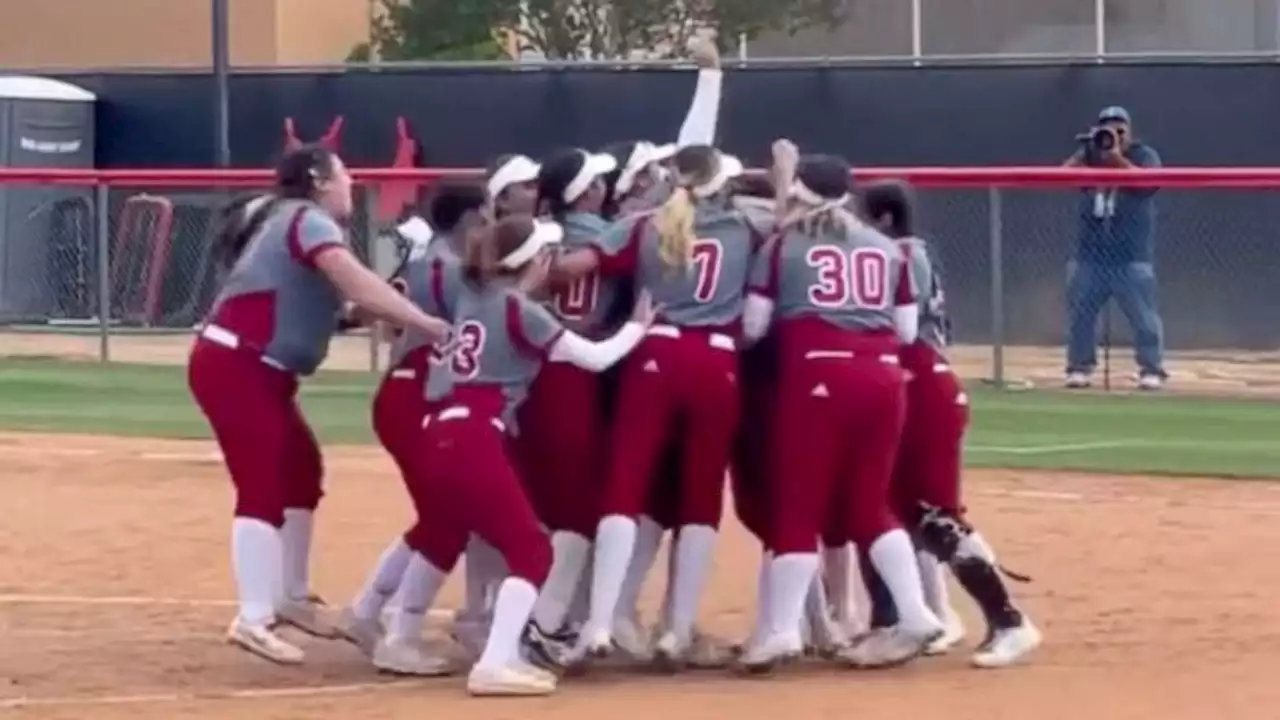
917 30
369 203
102 225
995 218
222 85
1100 30
742 47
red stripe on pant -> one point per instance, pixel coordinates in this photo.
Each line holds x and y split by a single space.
474 489
673 385
269 449
563 431
836 435
929 459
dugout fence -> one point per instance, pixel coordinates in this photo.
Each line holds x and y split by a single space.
127 251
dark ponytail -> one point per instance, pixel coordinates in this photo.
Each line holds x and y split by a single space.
297 174
479 260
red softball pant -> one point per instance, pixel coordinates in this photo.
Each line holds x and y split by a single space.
474 489
269 449
750 471
929 459
838 426
677 380
399 408
562 445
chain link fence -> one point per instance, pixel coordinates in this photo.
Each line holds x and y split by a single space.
1004 252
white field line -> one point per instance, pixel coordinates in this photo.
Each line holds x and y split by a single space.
1051 449
302 691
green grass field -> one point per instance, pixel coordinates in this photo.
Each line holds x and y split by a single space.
1152 434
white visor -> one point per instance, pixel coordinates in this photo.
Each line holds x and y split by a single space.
644 155
517 169
665 151
595 165
804 194
545 234
416 231
730 168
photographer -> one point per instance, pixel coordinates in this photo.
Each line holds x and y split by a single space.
1114 254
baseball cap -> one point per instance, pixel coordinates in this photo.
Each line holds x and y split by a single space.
1114 112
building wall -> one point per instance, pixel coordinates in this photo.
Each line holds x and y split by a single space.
38 34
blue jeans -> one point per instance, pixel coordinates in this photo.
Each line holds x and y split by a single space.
1089 287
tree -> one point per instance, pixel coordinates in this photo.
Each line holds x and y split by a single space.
582 29
437 30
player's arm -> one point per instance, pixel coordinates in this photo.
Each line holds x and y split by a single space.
536 330
614 253
762 290
906 310
699 126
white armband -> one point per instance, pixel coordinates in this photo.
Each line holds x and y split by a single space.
597 356
757 313
906 318
699 126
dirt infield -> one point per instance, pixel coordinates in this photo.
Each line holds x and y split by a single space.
1216 372
115 591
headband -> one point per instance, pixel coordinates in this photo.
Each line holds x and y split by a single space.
544 234
517 169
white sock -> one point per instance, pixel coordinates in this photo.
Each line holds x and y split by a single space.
484 568
763 599
511 611
615 541
838 581
256 559
418 590
934 584
295 535
816 613
648 542
695 547
790 577
570 552
383 582
580 608
859 600
894 557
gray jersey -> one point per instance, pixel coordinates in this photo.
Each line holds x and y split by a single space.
274 298
935 327
586 304
433 280
502 339
849 275
709 292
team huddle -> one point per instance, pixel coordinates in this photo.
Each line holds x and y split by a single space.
583 346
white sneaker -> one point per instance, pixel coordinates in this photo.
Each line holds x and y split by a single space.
825 637
887 647
262 641
364 633
510 680
595 644
1079 380
409 656
1150 382
671 652
953 634
776 649
308 615
1008 646
631 638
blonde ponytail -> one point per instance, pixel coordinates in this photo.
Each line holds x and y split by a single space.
676 236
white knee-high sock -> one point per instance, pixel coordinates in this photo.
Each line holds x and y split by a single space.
790 577
894 557
580 608
694 549
484 568
934 583
257 560
817 614
570 553
764 596
511 611
383 581
295 536
615 541
418 590
836 564
648 542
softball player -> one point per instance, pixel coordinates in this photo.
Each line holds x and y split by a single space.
839 291
503 339
290 268
926 482
693 255
432 279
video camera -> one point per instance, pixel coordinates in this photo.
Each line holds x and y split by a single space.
1100 139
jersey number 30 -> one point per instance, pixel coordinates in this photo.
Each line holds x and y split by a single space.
860 277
